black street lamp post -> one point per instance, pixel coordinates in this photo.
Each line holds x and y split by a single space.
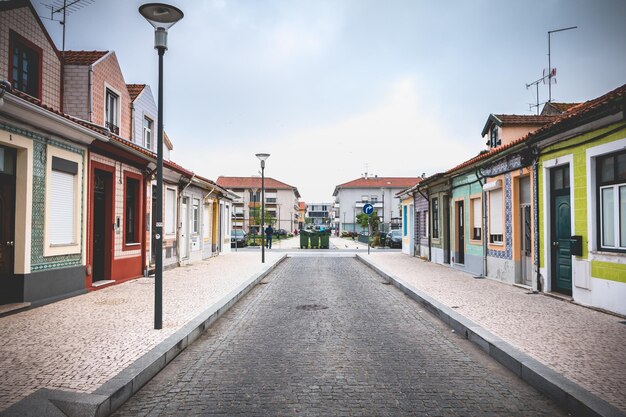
262 157
161 17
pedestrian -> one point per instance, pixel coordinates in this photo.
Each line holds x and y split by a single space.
269 232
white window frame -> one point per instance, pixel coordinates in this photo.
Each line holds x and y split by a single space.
118 109
74 247
168 222
148 130
473 201
195 215
492 221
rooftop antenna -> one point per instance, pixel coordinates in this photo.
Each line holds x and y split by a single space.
65 8
551 73
548 75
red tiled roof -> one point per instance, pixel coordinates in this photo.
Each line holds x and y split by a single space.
563 106
384 182
251 182
574 114
82 57
524 119
302 205
134 90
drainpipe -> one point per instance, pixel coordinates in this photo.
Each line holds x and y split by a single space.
427 197
484 206
89 87
133 134
536 217
179 207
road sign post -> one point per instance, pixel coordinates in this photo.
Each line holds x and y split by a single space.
368 209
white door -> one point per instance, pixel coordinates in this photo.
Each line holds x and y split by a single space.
184 229
411 218
525 276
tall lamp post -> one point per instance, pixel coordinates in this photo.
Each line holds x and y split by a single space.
161 17
262 157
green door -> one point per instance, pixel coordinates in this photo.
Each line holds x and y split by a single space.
561 231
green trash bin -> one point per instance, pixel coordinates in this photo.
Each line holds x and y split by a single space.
325 240
304 240
315 240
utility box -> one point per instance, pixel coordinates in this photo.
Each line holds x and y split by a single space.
576 247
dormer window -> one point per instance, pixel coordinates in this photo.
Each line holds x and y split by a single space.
494 138
25 64
112 104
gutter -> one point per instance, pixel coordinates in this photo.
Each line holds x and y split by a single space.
484 207
90 93
65 122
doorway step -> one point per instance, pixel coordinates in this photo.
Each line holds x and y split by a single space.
12 308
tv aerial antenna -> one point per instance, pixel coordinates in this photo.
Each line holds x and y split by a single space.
61 9
549 74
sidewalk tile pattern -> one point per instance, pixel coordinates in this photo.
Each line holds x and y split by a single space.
586 346
79 343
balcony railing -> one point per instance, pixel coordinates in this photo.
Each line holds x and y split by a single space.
112 127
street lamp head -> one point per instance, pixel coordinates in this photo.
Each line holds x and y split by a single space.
161 17
262 156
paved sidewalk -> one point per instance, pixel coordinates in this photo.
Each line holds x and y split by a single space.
80 343
586 346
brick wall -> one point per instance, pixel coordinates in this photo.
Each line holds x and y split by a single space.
107 72
76 91
23 22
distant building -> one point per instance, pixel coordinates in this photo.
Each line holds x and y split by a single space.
281 202
378 191
319 213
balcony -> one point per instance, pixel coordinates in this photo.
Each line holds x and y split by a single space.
114 129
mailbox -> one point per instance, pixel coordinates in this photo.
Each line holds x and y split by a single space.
576 247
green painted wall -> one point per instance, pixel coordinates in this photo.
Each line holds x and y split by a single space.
578 148
463 187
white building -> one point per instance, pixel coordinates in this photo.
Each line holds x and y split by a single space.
378 191
319 213
281 202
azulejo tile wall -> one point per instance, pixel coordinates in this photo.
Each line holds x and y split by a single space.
38 261
507 253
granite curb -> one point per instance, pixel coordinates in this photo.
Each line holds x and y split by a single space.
112 394
569 395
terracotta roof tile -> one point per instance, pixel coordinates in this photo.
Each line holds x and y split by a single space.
378 182
134 90
524 119
82 57
575 113
563 106
302 205
251 182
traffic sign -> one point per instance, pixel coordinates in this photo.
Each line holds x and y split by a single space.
368 209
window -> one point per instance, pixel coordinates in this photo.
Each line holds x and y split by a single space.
196 215
374 199
494 139
170 211
131 211
62 202
365 198
476 219
25 63
147 133
611 184
435 208
111 111
255 196
495 216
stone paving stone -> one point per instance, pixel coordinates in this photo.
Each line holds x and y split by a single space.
79 343
584 345
325 337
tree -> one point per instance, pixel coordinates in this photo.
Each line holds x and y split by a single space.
255 216
373 219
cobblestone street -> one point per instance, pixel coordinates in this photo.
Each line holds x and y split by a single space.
325 336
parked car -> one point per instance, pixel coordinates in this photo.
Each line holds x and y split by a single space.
394 239
281 232
237 238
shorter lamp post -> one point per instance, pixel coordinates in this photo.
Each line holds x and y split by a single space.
262 157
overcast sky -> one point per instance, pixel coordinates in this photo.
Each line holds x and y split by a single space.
329 88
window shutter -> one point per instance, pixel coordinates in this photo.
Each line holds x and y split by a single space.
477 212
61 220
170 212
495 212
